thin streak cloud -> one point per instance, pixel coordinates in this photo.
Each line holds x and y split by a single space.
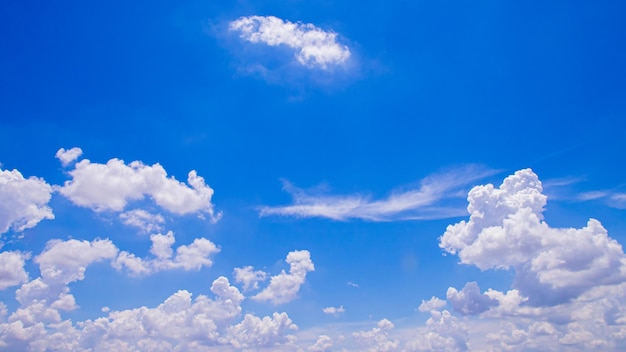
421 203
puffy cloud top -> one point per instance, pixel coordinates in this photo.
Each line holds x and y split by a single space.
23 201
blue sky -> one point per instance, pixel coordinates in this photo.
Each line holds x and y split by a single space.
312 176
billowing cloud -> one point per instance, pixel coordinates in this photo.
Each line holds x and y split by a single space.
179 323
12 270
68 156
432 304
569 288
323 343
313 46
194 256
249 277
423 202
112 185
23 201
284 287
506 231
143 220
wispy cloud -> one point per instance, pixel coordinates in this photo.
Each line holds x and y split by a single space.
421 203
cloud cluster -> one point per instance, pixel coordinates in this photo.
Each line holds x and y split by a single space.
180 323
284 287
23 201
313 46
188 257
569 288
423 202
112 185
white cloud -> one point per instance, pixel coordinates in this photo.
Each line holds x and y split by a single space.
469 300
249 277
180 323
432 304
284 287
376 339
143 220
443 332
420 203
188 257
66 261
334 311
12 271
23 201
112 185
323 343
313 46
68 156
552 265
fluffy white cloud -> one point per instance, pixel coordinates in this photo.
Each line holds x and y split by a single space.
552 265
23 201
12 271
413 204
188 257
313 46
112 185
66 261
569 288
284 287
249 277
143 220
178 324
68 156
323 343
335 311
432 304
376 339
443 332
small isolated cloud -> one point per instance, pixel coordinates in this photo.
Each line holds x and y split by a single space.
334 311
284 287
312 46
23 201
423 202
143 220
249 277
110 186
68 156
188 257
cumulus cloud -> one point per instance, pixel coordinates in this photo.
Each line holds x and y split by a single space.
194 256
68 156
569 286
143 220
313 47
284 287
12 270
179 323
23 201
506 231
323 343
432 304
443 332
112 185
376 339
249 277
334 311
423 202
